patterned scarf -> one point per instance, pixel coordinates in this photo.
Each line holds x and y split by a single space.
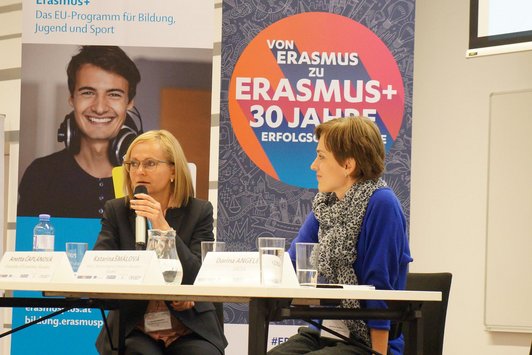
340 224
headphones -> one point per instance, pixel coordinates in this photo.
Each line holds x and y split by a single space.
69 133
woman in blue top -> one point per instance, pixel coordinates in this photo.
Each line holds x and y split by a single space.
361 228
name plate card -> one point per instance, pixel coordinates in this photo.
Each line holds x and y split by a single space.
239 268
226 268
35 266
120 266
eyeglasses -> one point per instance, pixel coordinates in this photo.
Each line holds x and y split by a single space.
147 165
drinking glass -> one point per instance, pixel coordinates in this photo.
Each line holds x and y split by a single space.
271 255
209 246
307 263
75 253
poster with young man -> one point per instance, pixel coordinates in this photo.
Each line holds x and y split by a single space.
287 67
96 74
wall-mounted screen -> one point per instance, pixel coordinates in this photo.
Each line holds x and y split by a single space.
499 26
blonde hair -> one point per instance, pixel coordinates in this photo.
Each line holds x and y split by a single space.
358 138
182 189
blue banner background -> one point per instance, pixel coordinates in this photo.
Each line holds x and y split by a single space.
59 339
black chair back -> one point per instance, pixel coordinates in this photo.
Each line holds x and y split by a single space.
433 313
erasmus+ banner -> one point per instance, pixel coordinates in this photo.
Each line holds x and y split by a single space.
287 66
156 52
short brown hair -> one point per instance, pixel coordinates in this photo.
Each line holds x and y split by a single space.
358 138
109 58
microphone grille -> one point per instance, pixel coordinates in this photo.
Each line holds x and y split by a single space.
140 189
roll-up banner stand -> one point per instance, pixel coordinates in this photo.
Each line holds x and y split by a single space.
286 67
170 43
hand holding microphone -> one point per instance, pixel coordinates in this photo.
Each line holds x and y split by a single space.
140 222
146 207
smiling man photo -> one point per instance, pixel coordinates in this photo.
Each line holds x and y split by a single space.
76 181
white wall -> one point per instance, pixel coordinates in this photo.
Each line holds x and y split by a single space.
449 158
449 167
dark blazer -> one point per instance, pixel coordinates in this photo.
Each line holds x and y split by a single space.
193 224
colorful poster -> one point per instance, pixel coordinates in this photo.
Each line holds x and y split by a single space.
139 59
287 67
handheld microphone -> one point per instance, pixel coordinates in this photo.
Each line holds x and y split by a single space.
140 223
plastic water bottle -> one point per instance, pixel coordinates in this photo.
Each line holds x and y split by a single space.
43 234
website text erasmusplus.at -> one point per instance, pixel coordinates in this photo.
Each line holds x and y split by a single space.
56 322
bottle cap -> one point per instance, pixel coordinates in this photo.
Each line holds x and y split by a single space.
45 217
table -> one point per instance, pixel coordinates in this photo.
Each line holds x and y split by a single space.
265 303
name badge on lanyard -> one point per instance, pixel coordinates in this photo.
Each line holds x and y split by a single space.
156 321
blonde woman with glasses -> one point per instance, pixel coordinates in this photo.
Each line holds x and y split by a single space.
156 160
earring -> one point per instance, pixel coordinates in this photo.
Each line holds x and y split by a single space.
345 174
171 180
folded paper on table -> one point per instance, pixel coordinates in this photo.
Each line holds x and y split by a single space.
121 266
30 266
239 268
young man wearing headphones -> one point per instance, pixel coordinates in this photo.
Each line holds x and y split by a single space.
76 181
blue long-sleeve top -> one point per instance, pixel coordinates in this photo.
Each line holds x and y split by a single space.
383 253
